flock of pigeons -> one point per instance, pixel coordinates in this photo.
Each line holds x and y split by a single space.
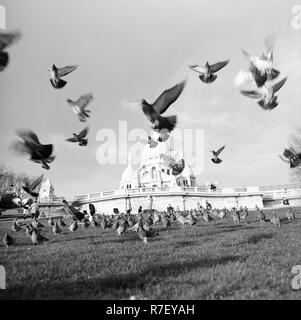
261 72
142 223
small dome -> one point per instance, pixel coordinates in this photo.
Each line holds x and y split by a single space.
128 173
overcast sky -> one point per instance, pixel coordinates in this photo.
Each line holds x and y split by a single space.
128 50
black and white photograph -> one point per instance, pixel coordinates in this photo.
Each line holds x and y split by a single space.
150 151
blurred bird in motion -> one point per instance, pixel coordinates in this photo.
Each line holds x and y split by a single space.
292 157
29 144
70 210
206 73
80 138
79 106
30 187
266 94
215 158
56 74
6 40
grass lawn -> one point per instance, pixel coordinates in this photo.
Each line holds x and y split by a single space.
216 260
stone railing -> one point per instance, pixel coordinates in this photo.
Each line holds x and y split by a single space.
275 191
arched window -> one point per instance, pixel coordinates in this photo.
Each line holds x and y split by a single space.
154 173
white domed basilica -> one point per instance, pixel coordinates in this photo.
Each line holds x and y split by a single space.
155 170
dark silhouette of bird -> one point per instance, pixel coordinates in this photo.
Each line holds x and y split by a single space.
206 73
29 144
36 224
80 138
29 188
70 210
61 223
292 157
6 40
177 167
215 158
153 111
79 106
56 229
37 238
143 234
8 240
92 209
28 230
266 94
56 74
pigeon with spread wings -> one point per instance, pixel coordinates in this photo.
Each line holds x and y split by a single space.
6 40
29 188
264 62
70 210
80 138
56 74
79 106
266 94
292 157
29 144
153 111
206 73
215 158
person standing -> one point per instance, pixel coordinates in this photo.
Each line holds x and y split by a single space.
34 210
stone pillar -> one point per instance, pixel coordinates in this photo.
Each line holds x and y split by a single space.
150 202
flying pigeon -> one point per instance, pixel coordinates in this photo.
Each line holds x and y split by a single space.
153 111
264 62
22 203
292 157
29 188
6 39
57 73
56 229
79 106
266 94
8 240
30 144
215 158
80 138
61 223
70 210
207 72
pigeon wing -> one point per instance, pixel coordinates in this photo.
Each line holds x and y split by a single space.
84 100
220 150
217 66
83 133
37 182
197 69
283 159
149 112
65 70
251 94
168 97
7 39
279 85
71 140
